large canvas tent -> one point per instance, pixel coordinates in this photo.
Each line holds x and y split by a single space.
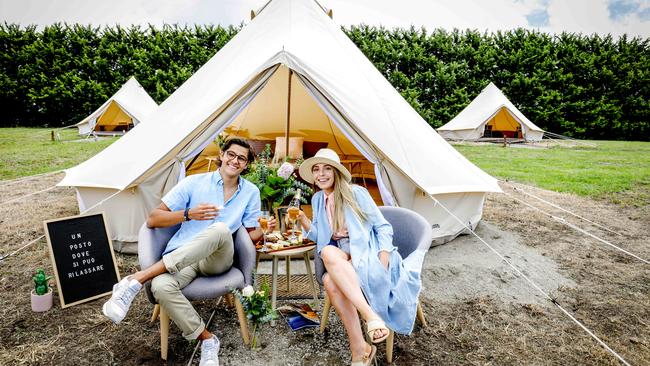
121 112
291 71
490 114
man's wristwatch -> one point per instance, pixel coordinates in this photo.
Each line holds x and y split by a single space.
186 214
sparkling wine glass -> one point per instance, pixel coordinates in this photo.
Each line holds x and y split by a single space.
293 216
264 225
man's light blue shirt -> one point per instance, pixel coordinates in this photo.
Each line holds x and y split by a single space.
243 208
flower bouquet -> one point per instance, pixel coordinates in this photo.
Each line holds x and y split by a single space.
276 183
257 306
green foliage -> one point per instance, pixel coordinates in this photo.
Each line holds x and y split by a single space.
256 304
57 76
41 286
274 189
591 87
582 86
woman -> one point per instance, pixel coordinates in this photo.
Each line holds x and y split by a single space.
365 274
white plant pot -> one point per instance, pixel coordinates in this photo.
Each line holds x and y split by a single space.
41 303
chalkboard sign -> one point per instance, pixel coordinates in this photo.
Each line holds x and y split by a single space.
82 257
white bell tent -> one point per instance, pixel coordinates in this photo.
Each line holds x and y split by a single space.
490 114
290 72
121 112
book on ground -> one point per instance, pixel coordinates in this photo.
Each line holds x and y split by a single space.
299 316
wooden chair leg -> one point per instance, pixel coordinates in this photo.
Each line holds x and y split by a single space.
243 322
164 333
229 300
420 315
389 346
326 314
156 312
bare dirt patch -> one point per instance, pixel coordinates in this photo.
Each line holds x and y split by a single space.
478 311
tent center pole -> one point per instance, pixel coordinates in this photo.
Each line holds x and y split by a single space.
286 132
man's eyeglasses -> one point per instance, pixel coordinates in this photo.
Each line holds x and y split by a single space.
241 159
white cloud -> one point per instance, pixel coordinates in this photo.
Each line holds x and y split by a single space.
448 14
586 16
592 16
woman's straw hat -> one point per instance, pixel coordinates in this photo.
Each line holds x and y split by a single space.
323 156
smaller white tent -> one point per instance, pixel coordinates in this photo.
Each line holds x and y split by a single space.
121 112
490 114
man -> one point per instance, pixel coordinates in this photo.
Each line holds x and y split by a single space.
211 207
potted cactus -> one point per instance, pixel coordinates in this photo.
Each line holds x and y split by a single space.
42 293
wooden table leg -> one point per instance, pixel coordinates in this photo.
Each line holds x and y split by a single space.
288 270
311 277
274 283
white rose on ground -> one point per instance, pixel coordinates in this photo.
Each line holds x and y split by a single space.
248 291
285 170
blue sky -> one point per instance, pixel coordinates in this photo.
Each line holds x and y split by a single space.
582 16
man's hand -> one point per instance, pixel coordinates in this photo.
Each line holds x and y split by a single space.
272 224
384 258
204 211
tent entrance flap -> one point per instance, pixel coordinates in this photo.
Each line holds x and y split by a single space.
114 118
208 130
503 123
290 105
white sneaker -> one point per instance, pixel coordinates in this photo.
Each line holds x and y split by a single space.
123 294
210 352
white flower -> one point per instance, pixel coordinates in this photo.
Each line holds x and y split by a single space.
260 293
248 291
285 170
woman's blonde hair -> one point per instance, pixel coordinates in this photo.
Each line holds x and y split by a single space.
343 196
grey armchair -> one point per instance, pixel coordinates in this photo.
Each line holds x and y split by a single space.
411 231
151 244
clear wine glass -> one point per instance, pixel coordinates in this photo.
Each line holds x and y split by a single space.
293 212
264 225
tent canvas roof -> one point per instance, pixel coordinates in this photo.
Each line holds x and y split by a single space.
300 36
482 108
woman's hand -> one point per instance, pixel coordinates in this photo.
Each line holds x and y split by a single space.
384 258
304 220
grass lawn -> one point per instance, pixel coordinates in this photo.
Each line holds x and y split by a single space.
605 171
29 151
614 170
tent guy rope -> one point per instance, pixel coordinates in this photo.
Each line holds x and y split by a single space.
565 222
29 177
532 283
189 363
520 190
27 195
3 257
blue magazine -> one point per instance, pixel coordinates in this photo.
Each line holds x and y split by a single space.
299 316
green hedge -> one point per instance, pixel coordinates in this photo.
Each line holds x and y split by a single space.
583 86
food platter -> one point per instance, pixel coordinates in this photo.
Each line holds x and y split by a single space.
277 242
